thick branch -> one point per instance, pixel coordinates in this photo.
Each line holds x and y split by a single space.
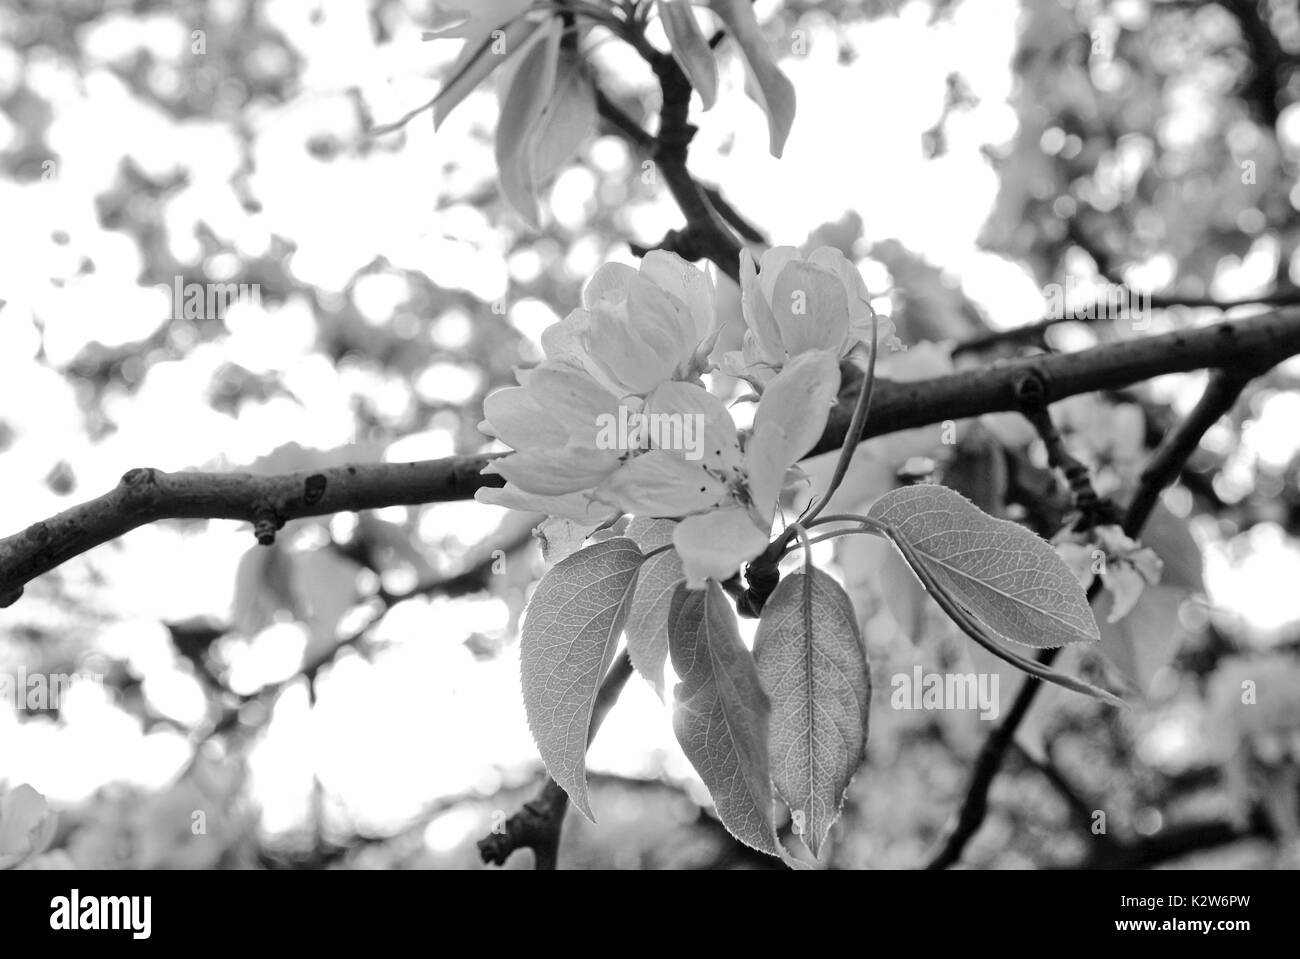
146 495
268 502
1267 338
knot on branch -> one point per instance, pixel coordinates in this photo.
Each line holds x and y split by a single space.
265 526
1030 390
314 488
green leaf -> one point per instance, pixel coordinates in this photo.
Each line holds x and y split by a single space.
690 48
720 713
567 643
1007 578
812 663
647 622
481 56
771 89
527 92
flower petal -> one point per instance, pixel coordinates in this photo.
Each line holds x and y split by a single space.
713 545
799 400
770 265
755 301
1125 584
686 282
563 341
693 415
579 507
659 484
571 397
556 472
519 421
766 463
608 286
624 358
811 309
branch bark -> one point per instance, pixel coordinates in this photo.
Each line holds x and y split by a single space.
268 502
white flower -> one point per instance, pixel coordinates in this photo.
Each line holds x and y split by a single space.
637 330
729 496
794 304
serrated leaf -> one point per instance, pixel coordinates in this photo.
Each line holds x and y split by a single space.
647 622
483 53
564 124
690 48
650 533
770 88
1010 580
527 92
567 643
812 663
720 713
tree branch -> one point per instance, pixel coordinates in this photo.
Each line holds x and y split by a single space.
537 826
1032 333
268 502
148 495
1162 467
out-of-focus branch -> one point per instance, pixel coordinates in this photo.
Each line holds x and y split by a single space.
538 824
1162 467
1032 333
147 495
1169 458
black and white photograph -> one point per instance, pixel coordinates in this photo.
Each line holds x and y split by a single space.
651 435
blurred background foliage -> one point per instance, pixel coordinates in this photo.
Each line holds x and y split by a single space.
349 697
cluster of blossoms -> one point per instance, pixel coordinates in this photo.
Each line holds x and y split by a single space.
637 348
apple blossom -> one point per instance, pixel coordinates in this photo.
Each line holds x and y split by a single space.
635 330
793 304
729 498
